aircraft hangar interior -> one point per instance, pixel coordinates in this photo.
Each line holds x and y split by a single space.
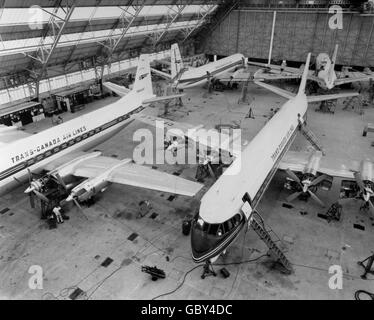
186 150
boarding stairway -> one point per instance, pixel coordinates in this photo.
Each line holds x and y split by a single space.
258 225
310 136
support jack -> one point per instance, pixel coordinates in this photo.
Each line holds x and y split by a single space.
208 270
367 267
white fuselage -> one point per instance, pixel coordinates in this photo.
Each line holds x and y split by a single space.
224 199
325 71
197 76
80 134
224 208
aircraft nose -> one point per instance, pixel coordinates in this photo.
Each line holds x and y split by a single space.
201 243
206 245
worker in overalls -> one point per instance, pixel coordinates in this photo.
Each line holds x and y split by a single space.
57 211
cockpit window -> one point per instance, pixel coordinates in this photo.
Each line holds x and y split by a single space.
218 229
236 219
213 229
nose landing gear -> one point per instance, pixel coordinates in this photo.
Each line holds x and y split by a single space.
208 270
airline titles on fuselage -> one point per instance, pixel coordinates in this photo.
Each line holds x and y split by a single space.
46 145
275 154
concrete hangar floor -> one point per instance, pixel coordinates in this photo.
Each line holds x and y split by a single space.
72 255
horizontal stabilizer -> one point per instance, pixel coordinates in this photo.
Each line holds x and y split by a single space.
163 98
119 90
352 79
281 92
331 96
164 75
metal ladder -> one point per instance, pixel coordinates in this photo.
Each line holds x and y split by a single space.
356 104
309 135
244 95
258 226
328 106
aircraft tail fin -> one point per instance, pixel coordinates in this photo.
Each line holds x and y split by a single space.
176 60
305 76
333 62
143 80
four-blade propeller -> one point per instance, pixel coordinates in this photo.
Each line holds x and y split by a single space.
33 190
305 187
366 191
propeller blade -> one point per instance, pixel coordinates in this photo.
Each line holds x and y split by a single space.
293 176
19 181
211 171
318 180
315 198
77 204
293 196
41 196
79 207
359 181
371 205
32 201
30 175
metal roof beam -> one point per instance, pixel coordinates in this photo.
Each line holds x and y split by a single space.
112 43
88 24
54 29
173 16
202 16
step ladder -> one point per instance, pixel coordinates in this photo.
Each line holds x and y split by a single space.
328 106
257 224
309 135
355 103
244 95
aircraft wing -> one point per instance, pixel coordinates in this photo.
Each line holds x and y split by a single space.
337 171
67 158
325 97
163 98
288 95
120 90
136 175
294 160
179 128
276 67
145 177
206 137
275 76
298 161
